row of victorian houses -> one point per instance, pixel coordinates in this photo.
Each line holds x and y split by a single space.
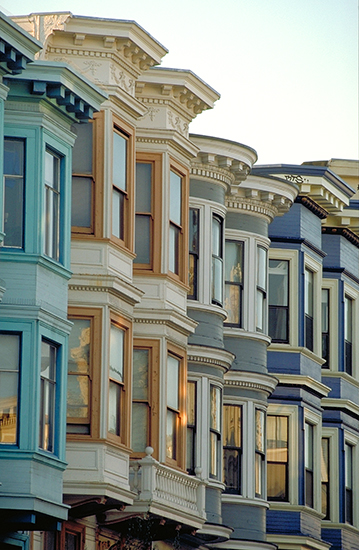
179 353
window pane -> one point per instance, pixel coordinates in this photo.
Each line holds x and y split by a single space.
216 237
232 470
234 262
82 150
81 209
217 281
119 161
308 446
13 157
140 374
277 481
192 277
278 323
116 353
143 187
173 365
190 463
325 310
258 475
261 267
277 438
213 455
260 310
79 346
139 427
232 426
260 431
143 239
114 408
171 432
215 413
348 466
78 396
52 205
174 249
9 366
175 198
191 403
232 303
47 403
194 230
308 294
348 319
278 283
14 153
117 213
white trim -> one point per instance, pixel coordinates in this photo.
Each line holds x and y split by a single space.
333 435
314 419
316 268
354 295
333 287
353 440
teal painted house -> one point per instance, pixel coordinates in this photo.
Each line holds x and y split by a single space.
39 103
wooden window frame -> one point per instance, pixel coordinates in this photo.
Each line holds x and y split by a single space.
155 160
181 433
153 393
183 173
123 439
126 131
97 177
94 315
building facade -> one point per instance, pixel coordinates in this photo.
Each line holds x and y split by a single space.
183 368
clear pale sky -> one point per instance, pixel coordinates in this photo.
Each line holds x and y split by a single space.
287 70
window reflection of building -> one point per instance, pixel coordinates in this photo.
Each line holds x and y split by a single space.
78 384
277 458
9 375
234 282
232 448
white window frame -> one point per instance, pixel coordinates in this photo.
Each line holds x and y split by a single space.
291 256
354 295
290 411
333 435
314 419
353 440
312 265
333 287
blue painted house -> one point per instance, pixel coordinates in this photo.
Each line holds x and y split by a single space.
39 102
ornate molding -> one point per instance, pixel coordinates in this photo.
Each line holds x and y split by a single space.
253 206
206 171
127 84
177 123
251 381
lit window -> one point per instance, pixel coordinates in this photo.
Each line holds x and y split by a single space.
308 309
173 406
193 253
82 179
144 214
9 382
52 205
79 377
308 463
175 222
14 179
261 288
233 301
325 327
349 483
348 335
217 260
325 478
277 458
232 448
259 453
119 183
191 426
278 326
48 395
116 383
215 431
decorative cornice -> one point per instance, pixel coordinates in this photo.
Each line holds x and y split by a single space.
207 171
312 206
344 232
345 405
305 382
250 380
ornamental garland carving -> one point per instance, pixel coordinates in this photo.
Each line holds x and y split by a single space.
178 124
127 84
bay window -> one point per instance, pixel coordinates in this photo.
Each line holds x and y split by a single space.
116 382
309 464
261 288
47 395
14 189
52 205
82 179
217 260
119 182
191 426
232 448
308 310
325 480
325 327
348 335
349 517
215 431
10 345
233 301
259 453
277 458
193 253
278 298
